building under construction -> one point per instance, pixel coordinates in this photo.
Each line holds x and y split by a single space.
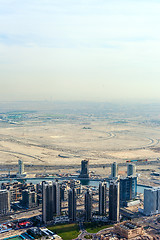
16 188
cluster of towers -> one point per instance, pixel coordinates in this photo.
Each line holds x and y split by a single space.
121 190
128 184
51 201
131 170
114 200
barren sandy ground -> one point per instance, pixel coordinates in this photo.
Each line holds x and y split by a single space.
64 143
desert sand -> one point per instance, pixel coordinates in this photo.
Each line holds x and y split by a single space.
62 142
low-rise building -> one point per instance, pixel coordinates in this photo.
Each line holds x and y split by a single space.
16 188
128 230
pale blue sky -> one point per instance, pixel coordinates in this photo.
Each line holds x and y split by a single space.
79 50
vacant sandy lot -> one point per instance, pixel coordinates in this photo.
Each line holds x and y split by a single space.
67 143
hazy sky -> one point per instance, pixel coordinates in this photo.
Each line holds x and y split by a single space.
98 50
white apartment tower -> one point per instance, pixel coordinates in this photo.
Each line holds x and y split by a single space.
151 201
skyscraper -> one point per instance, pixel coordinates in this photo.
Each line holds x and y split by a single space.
128 189
114 201
131 169
84 169
114 170
88 205
57 199
102 198
20 167
4 202
72 204
151 201
51 201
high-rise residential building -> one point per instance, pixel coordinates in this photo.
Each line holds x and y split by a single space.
102 198
51 200
57 199
72 204
4 202
114 201
131 169
114 170
47 201
20 167
128 189
29 198
151 201
88 205
84 169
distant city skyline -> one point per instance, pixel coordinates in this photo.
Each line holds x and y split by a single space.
83 50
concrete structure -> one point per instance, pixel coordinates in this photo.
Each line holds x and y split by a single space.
88 205
114 170
151 201
131 169
29 198
20 167
51 201
128 189
128 230
72 205
114 196
84 169
4 202
133 203
102 198
16 188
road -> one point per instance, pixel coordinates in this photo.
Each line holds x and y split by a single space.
22 214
